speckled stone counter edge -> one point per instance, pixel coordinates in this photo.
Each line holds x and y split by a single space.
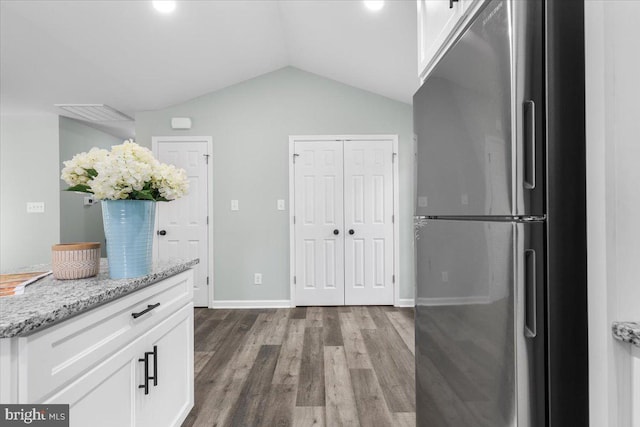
627 332
50 301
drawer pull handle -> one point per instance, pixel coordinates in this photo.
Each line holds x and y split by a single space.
155 365
145 386
146 310
148 378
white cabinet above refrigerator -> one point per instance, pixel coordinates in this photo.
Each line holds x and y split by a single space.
439 23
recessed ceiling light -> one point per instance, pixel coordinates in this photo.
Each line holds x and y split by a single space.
164 6
374 5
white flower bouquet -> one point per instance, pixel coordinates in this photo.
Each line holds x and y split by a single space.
127 172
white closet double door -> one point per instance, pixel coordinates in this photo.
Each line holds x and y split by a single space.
343 224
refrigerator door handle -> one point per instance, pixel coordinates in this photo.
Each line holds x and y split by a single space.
530 293
529 125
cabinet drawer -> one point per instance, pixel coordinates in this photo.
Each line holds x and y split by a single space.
57 355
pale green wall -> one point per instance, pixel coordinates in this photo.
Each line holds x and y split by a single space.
79 223
250 124
28 173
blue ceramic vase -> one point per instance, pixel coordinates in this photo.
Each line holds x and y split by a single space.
128 228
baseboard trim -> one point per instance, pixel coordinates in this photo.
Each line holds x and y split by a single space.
285 303
406 302
454 300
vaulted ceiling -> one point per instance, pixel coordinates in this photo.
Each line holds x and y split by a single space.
130 57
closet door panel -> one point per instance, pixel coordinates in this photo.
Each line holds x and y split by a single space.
319 223
368 216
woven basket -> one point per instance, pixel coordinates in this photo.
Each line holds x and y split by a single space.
75 260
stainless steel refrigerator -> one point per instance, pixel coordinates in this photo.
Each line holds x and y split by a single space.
501 311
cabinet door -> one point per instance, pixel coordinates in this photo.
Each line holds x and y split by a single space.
436 20
171 398
104 397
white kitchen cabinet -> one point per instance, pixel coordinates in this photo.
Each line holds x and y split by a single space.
439 24
95 361
436 19
111 393
170 397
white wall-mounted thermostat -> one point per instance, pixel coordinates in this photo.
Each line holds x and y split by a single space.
180 123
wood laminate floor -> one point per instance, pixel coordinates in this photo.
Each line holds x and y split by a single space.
305 366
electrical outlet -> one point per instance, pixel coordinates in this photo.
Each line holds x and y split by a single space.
280 204
35 207
422 202
445 276
464 199
234 205
257 279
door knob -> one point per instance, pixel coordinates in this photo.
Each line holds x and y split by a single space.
336 231
162 232
351 231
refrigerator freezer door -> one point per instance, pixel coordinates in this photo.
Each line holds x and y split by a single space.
477 120
472 356
530 323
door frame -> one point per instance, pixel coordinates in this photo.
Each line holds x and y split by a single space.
155 140
396 205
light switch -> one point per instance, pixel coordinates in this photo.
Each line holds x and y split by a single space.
280 204
35 207
422 202
234 205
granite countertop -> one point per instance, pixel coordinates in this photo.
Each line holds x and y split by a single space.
627 332
49 301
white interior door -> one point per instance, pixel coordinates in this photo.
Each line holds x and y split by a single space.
184 221
343 230
368 217
318 211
